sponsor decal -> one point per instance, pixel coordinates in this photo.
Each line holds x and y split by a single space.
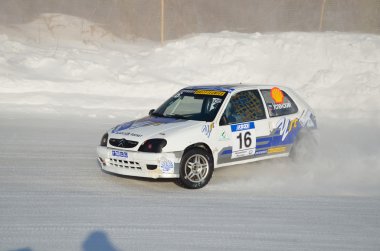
242 126
277 95
209 92
167 166
207 129
119 154
261 152
244 139
130 134
282 106
223 136
285 126
279 149
285 133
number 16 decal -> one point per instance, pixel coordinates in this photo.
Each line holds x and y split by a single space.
244 139
247 141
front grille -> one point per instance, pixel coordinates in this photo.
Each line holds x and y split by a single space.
125 164
123 143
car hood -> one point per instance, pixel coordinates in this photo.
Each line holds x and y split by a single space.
148 127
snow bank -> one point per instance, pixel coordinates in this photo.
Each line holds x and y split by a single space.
50 28
80 68
60 61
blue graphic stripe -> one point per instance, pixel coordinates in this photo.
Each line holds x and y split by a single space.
227 152
260 142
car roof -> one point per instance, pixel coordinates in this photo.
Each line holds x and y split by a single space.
233 87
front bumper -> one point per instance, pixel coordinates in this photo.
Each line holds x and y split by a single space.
139 164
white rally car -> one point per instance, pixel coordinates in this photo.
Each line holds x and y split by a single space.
205 127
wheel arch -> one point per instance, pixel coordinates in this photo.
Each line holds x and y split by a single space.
200 145
184 180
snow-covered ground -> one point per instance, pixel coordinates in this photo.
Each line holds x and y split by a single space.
64 81
53 196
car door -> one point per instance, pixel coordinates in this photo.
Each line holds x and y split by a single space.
283 122
242 121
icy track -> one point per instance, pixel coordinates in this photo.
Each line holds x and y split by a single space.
54 196
64 81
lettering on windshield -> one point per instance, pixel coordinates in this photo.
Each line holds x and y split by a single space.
209 92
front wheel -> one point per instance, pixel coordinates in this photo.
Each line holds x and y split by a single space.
196 169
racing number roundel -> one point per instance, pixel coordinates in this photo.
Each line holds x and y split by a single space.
244 139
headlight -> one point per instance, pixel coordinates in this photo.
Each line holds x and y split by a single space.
103 141
153 146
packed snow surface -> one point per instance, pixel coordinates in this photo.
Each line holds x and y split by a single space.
64 81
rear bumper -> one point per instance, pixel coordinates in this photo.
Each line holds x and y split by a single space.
139 164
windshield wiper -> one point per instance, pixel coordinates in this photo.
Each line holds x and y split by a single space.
175 116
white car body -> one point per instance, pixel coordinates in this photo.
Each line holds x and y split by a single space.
269 137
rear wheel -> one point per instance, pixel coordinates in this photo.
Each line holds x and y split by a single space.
196 168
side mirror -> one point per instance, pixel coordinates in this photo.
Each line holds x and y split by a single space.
151 111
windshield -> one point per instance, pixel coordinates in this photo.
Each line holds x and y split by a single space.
202 105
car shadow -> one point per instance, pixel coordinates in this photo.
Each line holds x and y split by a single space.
95 241
98 241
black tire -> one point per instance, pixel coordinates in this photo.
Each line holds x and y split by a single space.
196 169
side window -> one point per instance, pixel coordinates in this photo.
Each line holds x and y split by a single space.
243 107
283 106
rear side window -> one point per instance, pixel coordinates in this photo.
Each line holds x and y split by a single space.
278 102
